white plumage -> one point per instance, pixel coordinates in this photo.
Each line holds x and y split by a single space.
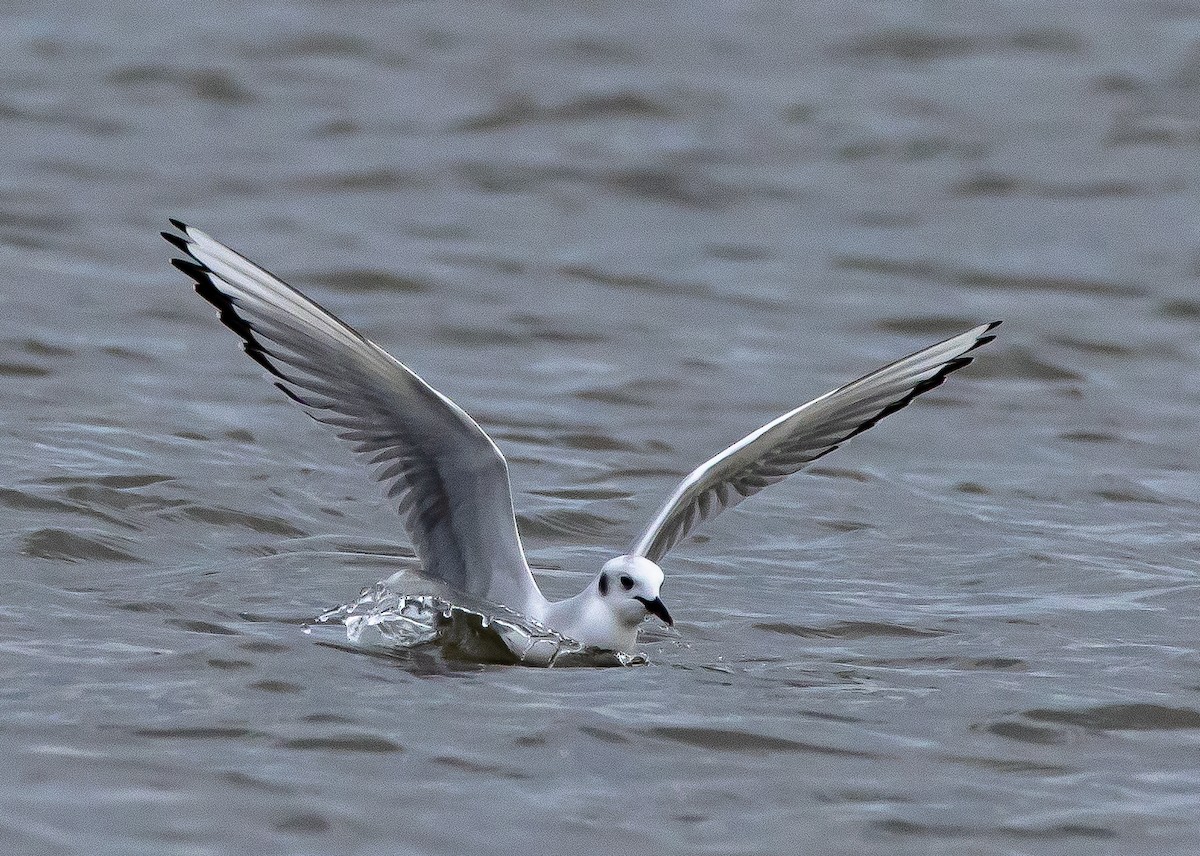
450 481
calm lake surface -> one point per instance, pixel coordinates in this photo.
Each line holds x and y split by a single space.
621 235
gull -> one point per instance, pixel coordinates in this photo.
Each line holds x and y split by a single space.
449 479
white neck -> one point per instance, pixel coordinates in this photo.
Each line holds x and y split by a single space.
587 619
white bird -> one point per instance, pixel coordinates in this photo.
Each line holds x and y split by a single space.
450 479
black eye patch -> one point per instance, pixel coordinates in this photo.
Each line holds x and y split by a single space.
603 584
626 582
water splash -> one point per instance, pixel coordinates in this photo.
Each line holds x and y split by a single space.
386 616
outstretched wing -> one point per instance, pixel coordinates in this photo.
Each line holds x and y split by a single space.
449 479
795 439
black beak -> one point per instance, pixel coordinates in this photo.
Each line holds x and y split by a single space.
657 608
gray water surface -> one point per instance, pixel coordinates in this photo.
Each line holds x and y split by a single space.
621 235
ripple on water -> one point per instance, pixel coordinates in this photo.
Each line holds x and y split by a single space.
604 735
97 499
207 84
313 44
245 781
475 336
631 281
851 630
202 732
490 262
746 742
1121 717
1090 437
636 392
132 480
927 325
368 280
101 126
739 252
1124 491
922 44
587 494
839 473
599 50
593 441
944 664
305 822
207 627
860 795
478 768
343 743
80 545
1019 363
229 517
121 501
572 522
907 45
8 369
926 830
587 441
997 276
1102 349
39 348
523 110
115 499
380 179
15 353
1180 307
19 500
269 685
1025 733
990 183
624 475
841 525
544 328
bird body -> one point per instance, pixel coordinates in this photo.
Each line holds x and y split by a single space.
450 481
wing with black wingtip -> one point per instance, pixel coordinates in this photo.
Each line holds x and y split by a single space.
447 476
796 439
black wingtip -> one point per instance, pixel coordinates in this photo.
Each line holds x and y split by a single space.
195 271
293 396
947 369
202 279
256 352
177 241
983 340
206 287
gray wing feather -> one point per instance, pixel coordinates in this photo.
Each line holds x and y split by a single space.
799 437
448 478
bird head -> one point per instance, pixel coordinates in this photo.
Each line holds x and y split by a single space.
630 585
